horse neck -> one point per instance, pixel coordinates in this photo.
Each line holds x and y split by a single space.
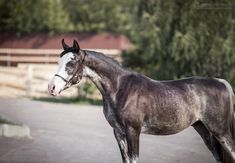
103 71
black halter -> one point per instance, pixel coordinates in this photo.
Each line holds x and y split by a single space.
70 81
62 78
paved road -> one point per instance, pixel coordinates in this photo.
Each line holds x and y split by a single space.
80 134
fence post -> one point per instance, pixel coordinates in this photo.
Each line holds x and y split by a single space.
29 80
8 59
46 58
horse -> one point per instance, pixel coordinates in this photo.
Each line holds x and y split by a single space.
134 103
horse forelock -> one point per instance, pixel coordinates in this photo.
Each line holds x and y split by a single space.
71 49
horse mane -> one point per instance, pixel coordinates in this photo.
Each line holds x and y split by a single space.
104 58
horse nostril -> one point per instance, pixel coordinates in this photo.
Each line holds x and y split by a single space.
53 87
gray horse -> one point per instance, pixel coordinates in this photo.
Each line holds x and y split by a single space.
134 103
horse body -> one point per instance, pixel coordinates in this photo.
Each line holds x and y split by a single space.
134 103
168 107
159 107
162 108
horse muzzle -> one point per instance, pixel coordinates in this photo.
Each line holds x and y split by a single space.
56 86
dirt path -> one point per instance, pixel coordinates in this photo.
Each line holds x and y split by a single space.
80 134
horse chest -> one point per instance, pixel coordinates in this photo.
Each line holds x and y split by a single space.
110 115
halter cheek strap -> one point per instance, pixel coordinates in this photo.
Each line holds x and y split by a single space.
79 69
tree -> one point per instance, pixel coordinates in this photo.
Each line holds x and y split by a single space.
23 16
101 15
33 16
181 38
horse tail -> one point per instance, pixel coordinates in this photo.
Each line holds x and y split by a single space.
225 156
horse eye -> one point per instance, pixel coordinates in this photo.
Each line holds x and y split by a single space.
70 64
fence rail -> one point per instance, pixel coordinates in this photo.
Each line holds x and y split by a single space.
28 80
9 56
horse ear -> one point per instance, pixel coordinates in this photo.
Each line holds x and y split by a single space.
76 46
65 46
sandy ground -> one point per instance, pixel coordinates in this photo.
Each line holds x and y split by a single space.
80 134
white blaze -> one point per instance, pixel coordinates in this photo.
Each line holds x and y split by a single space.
62 64
57 81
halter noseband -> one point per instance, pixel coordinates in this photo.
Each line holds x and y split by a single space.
70 81
62 78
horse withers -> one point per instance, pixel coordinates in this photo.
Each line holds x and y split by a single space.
134 103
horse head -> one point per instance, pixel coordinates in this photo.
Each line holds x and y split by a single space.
70 70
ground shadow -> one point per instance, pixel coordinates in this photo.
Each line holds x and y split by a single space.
5 121
73 100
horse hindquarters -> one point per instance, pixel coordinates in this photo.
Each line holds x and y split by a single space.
227 140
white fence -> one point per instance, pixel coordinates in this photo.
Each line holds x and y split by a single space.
28 80
26 72
46 56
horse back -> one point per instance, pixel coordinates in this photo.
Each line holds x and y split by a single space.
144 86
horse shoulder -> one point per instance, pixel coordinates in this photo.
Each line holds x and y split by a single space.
132 98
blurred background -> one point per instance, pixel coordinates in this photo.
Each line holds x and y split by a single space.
31 34
162 39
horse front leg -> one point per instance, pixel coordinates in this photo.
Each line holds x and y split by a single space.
128 143
132 136
122 143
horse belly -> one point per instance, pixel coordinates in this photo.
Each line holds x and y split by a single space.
163 130
168 125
